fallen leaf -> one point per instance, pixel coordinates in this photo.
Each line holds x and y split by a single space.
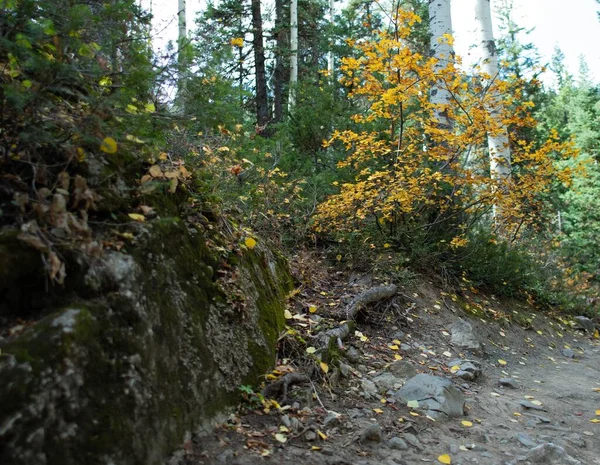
463 448
412 404
324 367
250 243
108 145
466 423
137 217
536 402
447 354
315 448
155 171
454 369
393 347
495 394
311 350
502 362
445 458
378 410
598 412
281 437
312 308
414 414
594 420
287 314
398 357
322 435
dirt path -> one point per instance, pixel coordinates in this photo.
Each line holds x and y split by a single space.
355 419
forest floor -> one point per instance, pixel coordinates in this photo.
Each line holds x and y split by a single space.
547 412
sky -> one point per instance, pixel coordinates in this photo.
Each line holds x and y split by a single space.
572 25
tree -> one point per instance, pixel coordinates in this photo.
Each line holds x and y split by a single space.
498 143
262 104
293 53
440 25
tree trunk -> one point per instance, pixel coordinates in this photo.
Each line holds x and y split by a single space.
279 66
498 144
262 104
440 24
181 37
294 53
330 57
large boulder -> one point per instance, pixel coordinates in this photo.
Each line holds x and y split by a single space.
153 348
436 395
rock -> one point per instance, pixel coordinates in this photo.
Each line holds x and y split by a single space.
462 335
352 355
344 369
586 323
369 389
405 347
526 440
413 440
285 419
465 375
576 439
332 419
225 457
402 369
371 433
386 382
529 405
548 454
537 418
398 335
397 443
509 382
437 395
355 413
569 353
310 436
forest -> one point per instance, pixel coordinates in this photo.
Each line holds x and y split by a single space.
201 224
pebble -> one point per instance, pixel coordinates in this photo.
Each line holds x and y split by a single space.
509 382
344 369
397 443
529 405
352 355
371 433
569 353
332 419
413 441
310 436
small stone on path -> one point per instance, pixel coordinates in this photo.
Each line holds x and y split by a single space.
509 382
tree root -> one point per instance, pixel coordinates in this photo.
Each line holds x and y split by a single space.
279 389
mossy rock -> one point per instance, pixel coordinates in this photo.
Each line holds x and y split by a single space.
158 353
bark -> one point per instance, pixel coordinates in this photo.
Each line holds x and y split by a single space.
262 104
293 53
440 23
181 36
279 66
498 144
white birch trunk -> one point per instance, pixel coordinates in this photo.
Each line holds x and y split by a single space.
181 12
498 144
181 36
293 53
440 24
330 58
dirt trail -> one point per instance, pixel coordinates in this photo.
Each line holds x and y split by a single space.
342 420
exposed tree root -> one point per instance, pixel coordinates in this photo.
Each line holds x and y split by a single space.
280 388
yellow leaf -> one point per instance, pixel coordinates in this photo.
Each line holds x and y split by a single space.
163 156
108 145
338 257
315 448
596 334
454 369
393 347
324 367
312 308
155 171
398 357
137 217
132 138
250 243
281 437
536 402
311 350
378 410
517 414
598 412
594 420
322 435
287 314
502 362
383 401
414 414
466 423
445 458
131 109
396 341
150 107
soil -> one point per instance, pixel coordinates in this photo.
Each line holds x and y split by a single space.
554 366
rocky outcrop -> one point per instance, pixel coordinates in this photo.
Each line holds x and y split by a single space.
152 347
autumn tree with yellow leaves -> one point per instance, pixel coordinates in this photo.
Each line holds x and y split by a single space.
406 172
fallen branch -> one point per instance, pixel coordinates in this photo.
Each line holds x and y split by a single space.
337 335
